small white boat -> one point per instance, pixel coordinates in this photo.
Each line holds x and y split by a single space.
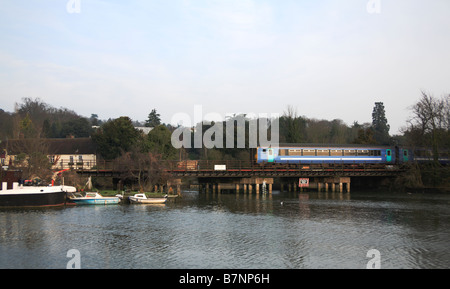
94 198
142 199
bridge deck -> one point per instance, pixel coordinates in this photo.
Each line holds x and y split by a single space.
244 169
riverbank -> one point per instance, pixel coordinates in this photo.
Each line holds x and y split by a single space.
111 193
428 190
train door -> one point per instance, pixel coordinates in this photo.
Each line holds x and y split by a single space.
389 155
405 155
270 155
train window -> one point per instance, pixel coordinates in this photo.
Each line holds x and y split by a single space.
283 152
388 152
309 152
295 152
375 153
323 152
349 152
336 152
405 153
264 150
363 152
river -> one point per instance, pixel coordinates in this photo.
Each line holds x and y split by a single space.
228 231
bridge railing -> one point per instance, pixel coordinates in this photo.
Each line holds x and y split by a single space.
233 165
237 165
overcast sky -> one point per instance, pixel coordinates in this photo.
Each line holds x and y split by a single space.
329 59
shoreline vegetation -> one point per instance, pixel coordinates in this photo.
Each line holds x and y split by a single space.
430 177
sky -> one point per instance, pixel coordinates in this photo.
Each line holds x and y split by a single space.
328 59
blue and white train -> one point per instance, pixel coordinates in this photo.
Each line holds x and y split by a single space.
333 155
351 154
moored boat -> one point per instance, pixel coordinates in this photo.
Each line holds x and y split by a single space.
142 199
24 196
93 198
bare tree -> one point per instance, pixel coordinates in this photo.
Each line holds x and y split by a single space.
32 157
430 121
144 167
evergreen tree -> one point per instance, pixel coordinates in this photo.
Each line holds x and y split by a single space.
153 119
380 124
115 137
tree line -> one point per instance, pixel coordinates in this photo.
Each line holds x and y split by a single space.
120 140
428 126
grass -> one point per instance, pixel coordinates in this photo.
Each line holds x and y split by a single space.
111 193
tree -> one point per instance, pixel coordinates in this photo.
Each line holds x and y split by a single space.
429 124
6 125
380 124
115 137
27 128
153 119
292 126
158 141
145 167
78 127
365 135
94 119
32 157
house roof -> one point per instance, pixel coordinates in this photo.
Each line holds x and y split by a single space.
75 146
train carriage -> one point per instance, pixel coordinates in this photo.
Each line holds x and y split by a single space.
347 154
326 155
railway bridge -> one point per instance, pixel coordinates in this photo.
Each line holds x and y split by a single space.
248 176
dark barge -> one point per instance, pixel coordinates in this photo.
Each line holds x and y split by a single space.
23 196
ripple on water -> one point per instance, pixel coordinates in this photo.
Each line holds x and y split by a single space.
208 231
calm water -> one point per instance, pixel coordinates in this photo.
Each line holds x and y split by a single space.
293 231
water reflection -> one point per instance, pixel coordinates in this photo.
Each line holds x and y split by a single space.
279 230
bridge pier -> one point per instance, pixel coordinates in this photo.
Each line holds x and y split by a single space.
245 185
174 183
319 183
338 181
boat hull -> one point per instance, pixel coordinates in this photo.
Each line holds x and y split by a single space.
103 201
134 200
38 199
